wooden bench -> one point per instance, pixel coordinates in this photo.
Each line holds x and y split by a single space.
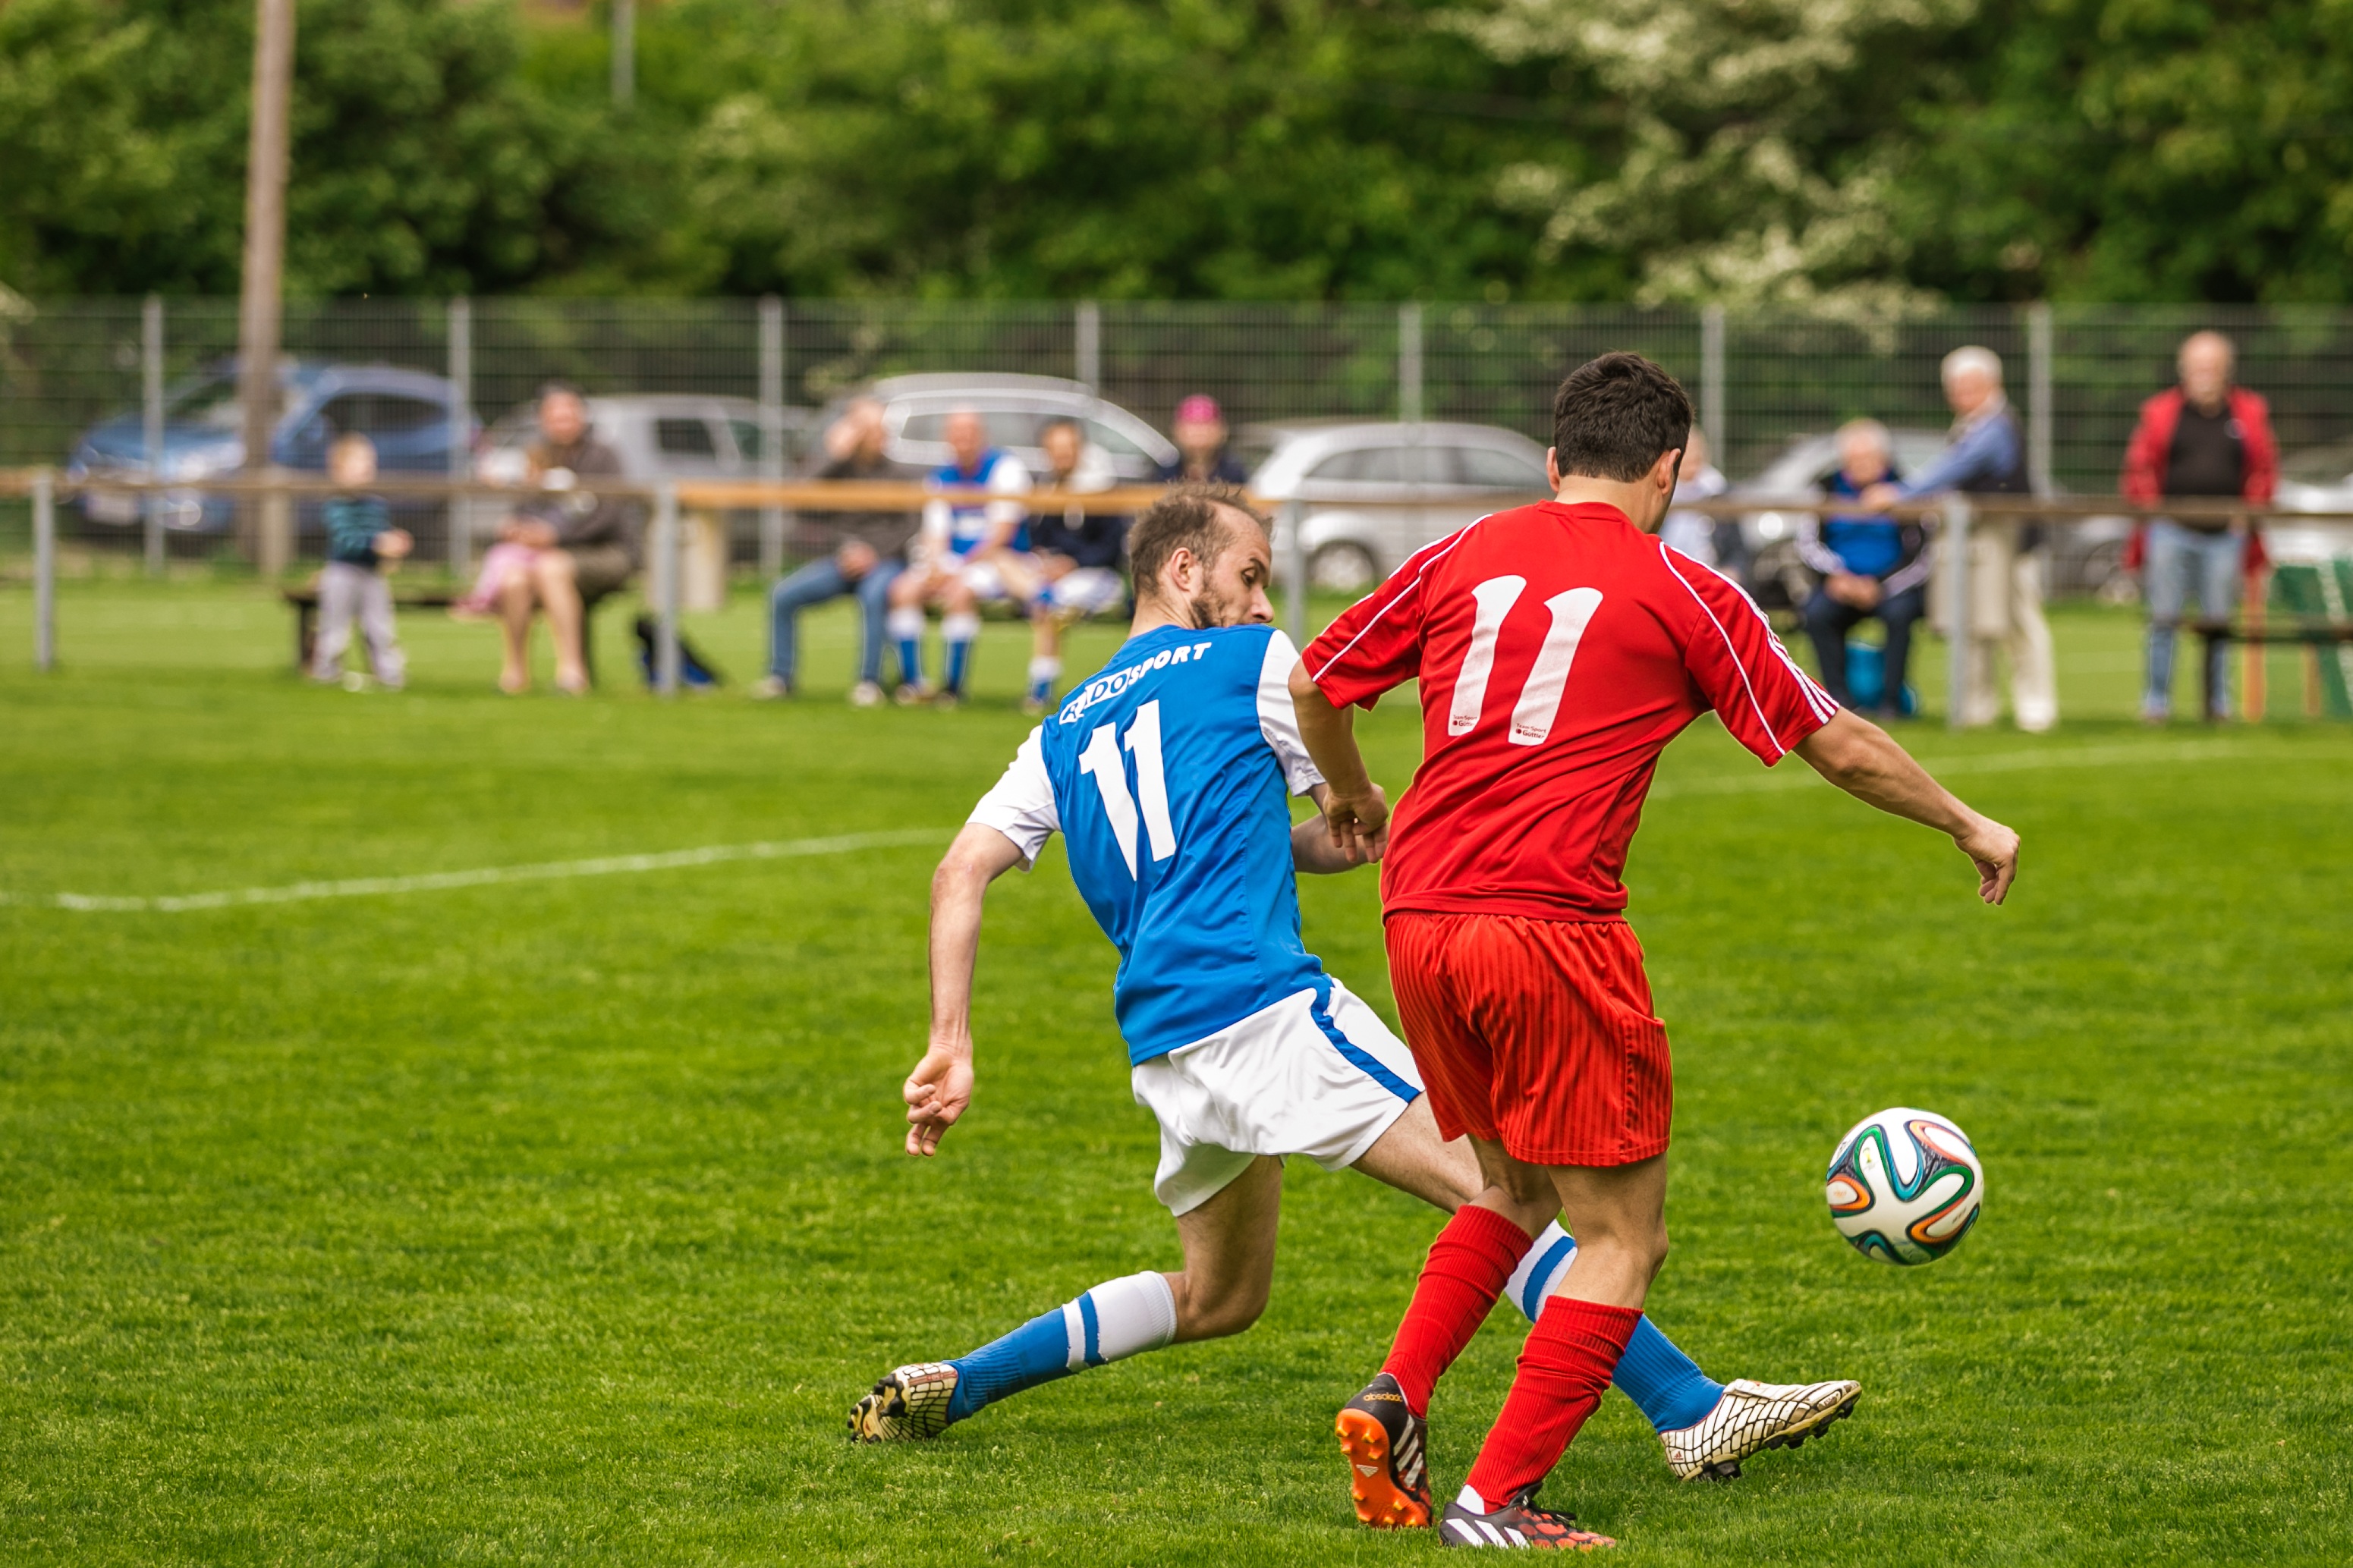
2312 632
304 602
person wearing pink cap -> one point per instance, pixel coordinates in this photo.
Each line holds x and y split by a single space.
1200 437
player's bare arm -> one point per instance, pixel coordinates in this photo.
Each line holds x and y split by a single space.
1317 852
1864 760
940 1088
1356 812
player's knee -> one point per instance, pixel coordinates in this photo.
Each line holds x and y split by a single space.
1201 1315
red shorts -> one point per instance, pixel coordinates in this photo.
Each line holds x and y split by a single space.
1537 1034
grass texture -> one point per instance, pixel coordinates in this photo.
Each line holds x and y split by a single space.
560 1221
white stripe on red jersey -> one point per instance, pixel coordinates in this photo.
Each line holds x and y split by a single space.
1595 646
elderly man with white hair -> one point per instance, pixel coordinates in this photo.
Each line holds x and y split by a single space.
2205 437
1987 457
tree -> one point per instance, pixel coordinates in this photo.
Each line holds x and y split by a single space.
1753 149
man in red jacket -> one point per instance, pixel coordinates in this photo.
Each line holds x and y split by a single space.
2205 437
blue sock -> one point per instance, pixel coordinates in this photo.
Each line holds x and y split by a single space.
911 662
1666 1384
1038 1352
1117 1318
958 631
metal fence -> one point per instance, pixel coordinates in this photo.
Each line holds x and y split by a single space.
2077 373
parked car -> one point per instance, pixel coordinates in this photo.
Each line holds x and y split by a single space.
2087 554
406 413
915 409
2319 478
658 434
1434 478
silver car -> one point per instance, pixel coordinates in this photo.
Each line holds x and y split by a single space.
1428 480
658 436
915 410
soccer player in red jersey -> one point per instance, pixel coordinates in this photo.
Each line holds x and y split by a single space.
1559 648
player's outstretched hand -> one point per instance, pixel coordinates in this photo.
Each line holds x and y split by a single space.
1995 849
937 1092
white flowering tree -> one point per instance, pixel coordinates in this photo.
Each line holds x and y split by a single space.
1757 142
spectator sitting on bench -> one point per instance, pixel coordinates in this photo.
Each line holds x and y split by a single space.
1869 566
586 545
508 557
1079 556
858 565
359 540
974 547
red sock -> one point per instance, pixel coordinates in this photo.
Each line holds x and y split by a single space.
1570 1355
1468 1266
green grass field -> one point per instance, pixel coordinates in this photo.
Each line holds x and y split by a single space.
559 1221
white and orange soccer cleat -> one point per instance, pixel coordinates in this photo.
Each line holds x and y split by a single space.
1752 1417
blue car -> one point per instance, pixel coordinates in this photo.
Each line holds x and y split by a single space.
406 413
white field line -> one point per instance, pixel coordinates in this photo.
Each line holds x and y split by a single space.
434 881
1792 774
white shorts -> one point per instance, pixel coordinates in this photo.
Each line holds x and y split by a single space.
1088 590
988 583
1291 1079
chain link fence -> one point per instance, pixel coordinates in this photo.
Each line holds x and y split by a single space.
2077 373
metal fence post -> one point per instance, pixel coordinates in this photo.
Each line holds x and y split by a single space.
1711 384
625 51
1955 548
1410 362
772 431
1087 330
462 432
151 407
665 583
45 569
1295 570
2039 411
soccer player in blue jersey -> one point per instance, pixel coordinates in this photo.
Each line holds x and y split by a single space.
974 547
1165 773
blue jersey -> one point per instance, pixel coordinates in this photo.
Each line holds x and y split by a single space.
1165 773
960 524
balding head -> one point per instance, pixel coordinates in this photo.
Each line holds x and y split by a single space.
2205 362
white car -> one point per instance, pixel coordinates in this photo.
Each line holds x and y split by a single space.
1013 408
2318 479
658 436
1430 479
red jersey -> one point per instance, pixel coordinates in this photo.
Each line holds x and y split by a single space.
1560 649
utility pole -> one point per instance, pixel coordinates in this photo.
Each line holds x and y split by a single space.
267 528
625 51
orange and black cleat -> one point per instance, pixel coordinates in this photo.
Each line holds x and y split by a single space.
1519 1524
1386 1444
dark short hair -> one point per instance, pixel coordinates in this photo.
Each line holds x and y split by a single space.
1185 517
1615 415
1060 421
548 389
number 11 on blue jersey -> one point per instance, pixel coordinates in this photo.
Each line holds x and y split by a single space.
1102 760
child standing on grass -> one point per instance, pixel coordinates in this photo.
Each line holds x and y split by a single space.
360 541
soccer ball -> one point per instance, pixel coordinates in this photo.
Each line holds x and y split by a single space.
1904 1186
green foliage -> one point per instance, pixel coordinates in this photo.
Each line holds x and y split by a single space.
1871 151
560 1222
2130 150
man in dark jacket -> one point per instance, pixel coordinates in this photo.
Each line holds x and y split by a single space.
870 554
1079 553
588 545
2205 437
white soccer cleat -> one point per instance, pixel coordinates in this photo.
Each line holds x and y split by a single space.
1753 1417
909 1404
